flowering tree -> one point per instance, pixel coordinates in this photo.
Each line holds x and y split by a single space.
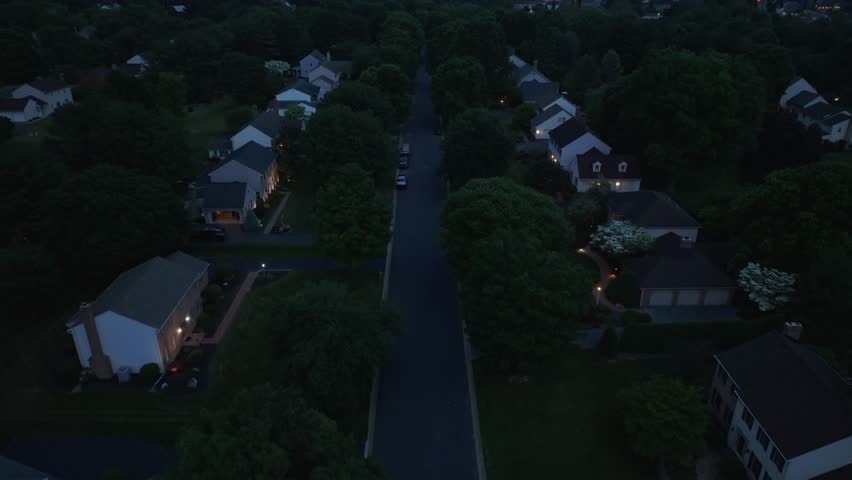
621 238
277 67
767 287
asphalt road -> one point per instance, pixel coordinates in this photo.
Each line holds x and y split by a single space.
423 426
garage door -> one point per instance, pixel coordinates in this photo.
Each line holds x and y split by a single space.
660 297
688 297
717 297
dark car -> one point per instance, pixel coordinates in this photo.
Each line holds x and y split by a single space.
209 233
403 161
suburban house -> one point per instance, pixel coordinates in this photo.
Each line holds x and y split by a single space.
560 102
786 411
570 139
219 147
142 317
812 109
526 73
48 95
263 130
21 110
231 202
299 91
250 164
547 120
677 273
326 77
12 470
539 93
516 61
311 61
134 66
281 106
655 212
620 171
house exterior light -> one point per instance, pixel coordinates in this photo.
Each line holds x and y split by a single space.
179 330
187 319
537 131
598 288
617 184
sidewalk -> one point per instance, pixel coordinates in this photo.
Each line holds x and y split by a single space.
278 209
233 309
604 270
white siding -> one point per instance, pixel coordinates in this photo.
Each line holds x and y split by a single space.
322 70
128 343
689 297
568 154
795 88
293 95
516 61
53 99
718 296
819 461
564 104
31 111
81 342
543 129
234 171
307 65
660 297
250 134
688 233
623 185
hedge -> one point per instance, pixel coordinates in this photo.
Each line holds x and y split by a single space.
657 338
623 290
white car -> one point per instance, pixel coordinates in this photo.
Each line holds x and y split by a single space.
401 182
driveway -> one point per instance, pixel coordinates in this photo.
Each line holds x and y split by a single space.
423 428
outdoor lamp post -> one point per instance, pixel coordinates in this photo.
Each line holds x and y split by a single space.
598 295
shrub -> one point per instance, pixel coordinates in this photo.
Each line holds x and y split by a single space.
608 344
624 290
730 467
206 322
224 273
657 338
633 317
195 357
149 372
212 294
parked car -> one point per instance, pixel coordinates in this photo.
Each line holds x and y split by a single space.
401 182
403 161
209 233
283 228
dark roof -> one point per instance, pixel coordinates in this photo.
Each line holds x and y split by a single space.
566 133
12 470
326 79
796 397
801 99
331 66
303 86
48 84
609 165
647 208
221 142
826 113
519 72
149 292
6 92
342 66
16 104
224 196
539 92
253 156
548 114
268 122
673 266
842 473
317 55
286 103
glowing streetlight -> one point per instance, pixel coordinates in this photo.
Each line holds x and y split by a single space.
598 295
187 319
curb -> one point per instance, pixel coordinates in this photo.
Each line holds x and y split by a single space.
471 387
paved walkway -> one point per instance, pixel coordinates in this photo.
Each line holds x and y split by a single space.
277 213
231 314
604 270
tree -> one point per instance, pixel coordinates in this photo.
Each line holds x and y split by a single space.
240 75
483 206
585 76
665 419
556 51
170 92
294 112
238 117
6 129
621 238
335 133
458 84
279 68
481 37
361 97
353 221
610 66
475 145
19 56
394 84
107 219
783 143
767 287
521 117
268 432
546 176
25 177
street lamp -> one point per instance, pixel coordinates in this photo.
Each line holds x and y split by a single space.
598 295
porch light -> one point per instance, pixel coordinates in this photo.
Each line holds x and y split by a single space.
581 250
537 131
179 330
617 184
262 265
187 319
598 288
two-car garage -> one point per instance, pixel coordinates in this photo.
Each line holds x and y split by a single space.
654 297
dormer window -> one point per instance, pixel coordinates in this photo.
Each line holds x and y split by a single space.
596 167
622 167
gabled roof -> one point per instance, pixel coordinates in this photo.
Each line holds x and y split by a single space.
539 92
801 99
224 196
824 112
268 122
795 396
324 79
647 208
304 86
12 470
16 104
567 133
316 55
672 266
331 66
548 114
525 69
253 156
48 84
609 166
149 292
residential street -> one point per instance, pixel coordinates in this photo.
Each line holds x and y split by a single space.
423 427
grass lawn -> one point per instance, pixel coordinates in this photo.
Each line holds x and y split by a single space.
562 424
255 250
838 156
207 120
299 212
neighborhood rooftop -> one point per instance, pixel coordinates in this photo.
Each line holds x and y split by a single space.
797 398
566 133
303 86
224 196
802 98
548 114
541 93
671 266
149 291
48 84
268 122
254 156
609 166
12 470
647 208
16 104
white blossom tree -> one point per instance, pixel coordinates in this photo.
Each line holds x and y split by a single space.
767 287
277 67
621 238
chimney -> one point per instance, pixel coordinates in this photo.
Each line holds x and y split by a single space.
793 330
328 55
99 361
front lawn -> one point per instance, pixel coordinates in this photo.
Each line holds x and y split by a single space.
299 212
208 120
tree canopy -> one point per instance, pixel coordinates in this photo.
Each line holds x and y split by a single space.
458 84
394 84
475 145
361 97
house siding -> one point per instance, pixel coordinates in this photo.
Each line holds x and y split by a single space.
235 171
820 461
128 343
542 130
31 111
293 95
81 342
307 65
248 205
168 340
53 100
568 155
250 134
564 104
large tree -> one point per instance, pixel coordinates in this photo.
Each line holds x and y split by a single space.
665 419
268 432
361 97
475 145
353 222
392 81
106 219
783 143
458 84
484 206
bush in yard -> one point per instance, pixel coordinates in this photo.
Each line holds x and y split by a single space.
608 344
633 317
212 294
656 338
767 287
149 372
224 273
621 238
623 290
195 357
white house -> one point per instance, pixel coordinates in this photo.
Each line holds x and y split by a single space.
527 73
540 94
562 103
620 171
516 61
812 109
250 164
231 202
571 139
547 120
142 317
312 61
299 91
263 130
785 410
135 66
53 93
655 212
326 76
21 110
798 86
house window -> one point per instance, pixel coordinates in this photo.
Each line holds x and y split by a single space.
748 418
755 466
728 416
622 167
763 438
740 443
777 458
596 167
715 399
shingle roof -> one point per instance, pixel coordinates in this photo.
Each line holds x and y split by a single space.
331 66
842 473
671 266
16 104
149 292
48 84
647 208
224 196
548 114
12 470
825 113
566 133
609 165
800 402
303 86
253 156
801 99
541 93
6 92
268 122
519 72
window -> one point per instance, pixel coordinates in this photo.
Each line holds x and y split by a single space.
728 416
777 458
763 439
622 167
748 418
755 466
596 167
740 443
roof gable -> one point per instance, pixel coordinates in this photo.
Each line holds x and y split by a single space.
548 114
647 208
304 86
48 84
609 166
674 267
269 123
253 156
567 132
801 99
